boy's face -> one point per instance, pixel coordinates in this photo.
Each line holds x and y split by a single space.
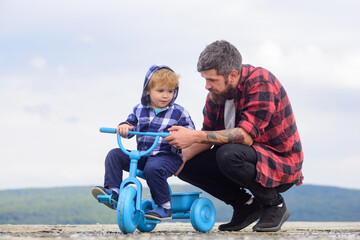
160 96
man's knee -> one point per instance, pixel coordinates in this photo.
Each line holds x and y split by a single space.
284 187
226 155
233 158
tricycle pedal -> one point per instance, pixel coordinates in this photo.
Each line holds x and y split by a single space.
104 199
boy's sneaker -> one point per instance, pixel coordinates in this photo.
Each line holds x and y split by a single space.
98 190
272 218
243 216
159 213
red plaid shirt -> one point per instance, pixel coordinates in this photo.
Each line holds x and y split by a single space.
263 110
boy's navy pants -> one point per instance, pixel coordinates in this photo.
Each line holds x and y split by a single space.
156 170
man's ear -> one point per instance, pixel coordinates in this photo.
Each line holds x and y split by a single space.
233 75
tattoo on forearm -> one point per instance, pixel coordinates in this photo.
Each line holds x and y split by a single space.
225 136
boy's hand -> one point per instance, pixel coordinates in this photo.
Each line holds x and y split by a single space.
124 129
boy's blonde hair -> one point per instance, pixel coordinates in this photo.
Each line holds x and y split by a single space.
162 77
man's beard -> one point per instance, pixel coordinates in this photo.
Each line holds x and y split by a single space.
221 97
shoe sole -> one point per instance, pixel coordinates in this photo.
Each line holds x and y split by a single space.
157 218
249 220
98 191
276 228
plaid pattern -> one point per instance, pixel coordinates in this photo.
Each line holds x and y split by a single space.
145 120
263 110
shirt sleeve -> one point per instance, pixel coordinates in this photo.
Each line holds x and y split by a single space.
259 107
131 120
186 120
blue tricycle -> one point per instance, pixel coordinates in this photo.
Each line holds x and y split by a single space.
131 208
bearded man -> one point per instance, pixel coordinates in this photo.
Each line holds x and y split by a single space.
249 149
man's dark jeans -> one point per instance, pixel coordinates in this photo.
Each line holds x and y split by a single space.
226 171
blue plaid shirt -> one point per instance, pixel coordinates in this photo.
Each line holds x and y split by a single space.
144 119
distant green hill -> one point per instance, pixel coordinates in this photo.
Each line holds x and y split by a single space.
76 205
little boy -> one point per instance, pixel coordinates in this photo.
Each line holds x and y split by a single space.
156 113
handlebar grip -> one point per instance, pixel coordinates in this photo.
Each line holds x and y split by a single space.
107 130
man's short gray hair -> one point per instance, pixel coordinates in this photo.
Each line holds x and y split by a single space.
221 56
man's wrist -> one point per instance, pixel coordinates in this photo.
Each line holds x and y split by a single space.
199 136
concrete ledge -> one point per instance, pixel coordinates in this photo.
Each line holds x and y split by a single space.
174 230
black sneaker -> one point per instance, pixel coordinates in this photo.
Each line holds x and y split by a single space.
243 216
272 218
98 190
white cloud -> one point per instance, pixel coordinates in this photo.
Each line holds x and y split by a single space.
311 64
86 39
346 71
42 110
38 62
61 70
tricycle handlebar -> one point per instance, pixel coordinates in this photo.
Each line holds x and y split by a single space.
113 130
136 154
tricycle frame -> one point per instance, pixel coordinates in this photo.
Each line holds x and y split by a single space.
131 208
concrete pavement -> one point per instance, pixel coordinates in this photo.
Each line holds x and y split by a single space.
181 231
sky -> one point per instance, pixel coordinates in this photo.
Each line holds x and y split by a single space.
68 68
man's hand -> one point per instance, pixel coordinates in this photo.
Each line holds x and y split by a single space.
181 137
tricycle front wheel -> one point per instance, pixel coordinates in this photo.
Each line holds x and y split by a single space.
202 215
127 215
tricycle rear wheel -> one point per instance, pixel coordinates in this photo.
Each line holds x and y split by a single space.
202 215
146 205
